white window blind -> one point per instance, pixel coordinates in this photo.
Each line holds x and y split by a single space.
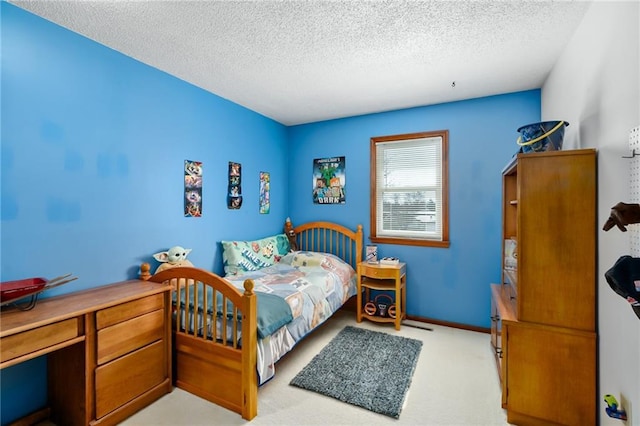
409 188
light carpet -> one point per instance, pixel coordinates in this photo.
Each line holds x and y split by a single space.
366 368
455 383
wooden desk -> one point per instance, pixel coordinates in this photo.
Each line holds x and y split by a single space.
109 349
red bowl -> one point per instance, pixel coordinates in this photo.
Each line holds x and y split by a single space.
13 290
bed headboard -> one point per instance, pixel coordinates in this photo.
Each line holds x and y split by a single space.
331 238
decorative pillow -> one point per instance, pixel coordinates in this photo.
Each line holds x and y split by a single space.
242 256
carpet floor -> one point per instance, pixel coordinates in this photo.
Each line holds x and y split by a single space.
455 383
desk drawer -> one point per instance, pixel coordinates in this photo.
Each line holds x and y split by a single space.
124 379
130 335
126 311
38 339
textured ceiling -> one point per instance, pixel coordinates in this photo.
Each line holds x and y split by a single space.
305 61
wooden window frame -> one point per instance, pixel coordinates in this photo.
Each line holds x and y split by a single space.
444 242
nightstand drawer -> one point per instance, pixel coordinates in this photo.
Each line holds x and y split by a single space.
380 271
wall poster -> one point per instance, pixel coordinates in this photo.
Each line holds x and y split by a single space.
192 188
234 199
264 192
329 180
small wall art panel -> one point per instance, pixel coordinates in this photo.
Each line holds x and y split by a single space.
634 186
192 188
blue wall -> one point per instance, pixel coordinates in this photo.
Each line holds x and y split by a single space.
93 150
447 284
93 146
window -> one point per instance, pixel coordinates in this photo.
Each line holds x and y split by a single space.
409 189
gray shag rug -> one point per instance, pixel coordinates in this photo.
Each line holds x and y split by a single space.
366 368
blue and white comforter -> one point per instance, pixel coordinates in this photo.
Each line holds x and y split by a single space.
314 285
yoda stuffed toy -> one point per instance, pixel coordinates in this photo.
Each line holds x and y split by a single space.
176 256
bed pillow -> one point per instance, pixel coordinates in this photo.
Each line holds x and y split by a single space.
310 258
304 258
326 261
242 256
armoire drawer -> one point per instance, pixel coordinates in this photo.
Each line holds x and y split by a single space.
127 336
122 380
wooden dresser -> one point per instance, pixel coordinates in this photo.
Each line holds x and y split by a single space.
544 310
108 349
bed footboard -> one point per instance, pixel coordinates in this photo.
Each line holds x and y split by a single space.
215 334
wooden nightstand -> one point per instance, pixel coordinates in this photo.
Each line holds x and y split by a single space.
373 276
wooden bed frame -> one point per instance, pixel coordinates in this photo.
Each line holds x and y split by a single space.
214 365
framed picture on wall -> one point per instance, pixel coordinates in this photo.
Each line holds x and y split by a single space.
372 254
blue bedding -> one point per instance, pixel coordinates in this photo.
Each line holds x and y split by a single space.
273 311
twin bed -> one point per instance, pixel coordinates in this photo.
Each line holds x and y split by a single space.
229 332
